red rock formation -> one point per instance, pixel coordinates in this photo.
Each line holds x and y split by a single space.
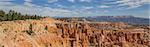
82 35
49 33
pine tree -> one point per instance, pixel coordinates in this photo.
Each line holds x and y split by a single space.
7 17
12 15
2 13
35 16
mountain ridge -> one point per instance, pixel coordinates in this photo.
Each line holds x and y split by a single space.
125 19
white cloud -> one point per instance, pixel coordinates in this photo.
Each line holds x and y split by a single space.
132 3
80 0
85 0
28 0
103 6
30 4
51 1
32 9
5 3
60 5
55 12
6 0
85 8
71 0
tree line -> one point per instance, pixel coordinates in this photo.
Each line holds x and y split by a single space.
13 15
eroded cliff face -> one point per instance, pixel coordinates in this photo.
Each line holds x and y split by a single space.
52 33
104 34
29 33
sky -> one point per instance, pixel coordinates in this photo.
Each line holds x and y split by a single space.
79 8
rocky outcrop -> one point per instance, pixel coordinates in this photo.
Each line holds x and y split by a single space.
83 35
52 33
29 33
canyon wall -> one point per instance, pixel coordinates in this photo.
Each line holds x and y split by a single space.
53 33
86 35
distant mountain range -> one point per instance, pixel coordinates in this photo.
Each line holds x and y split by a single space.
125 19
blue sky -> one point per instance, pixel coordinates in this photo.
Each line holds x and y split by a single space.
73 8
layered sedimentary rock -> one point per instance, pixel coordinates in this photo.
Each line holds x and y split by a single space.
84 35
29 33
52 33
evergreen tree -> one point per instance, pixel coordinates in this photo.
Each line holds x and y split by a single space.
12 15
35 16
7 17
2 13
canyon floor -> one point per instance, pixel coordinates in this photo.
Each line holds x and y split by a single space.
49 32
